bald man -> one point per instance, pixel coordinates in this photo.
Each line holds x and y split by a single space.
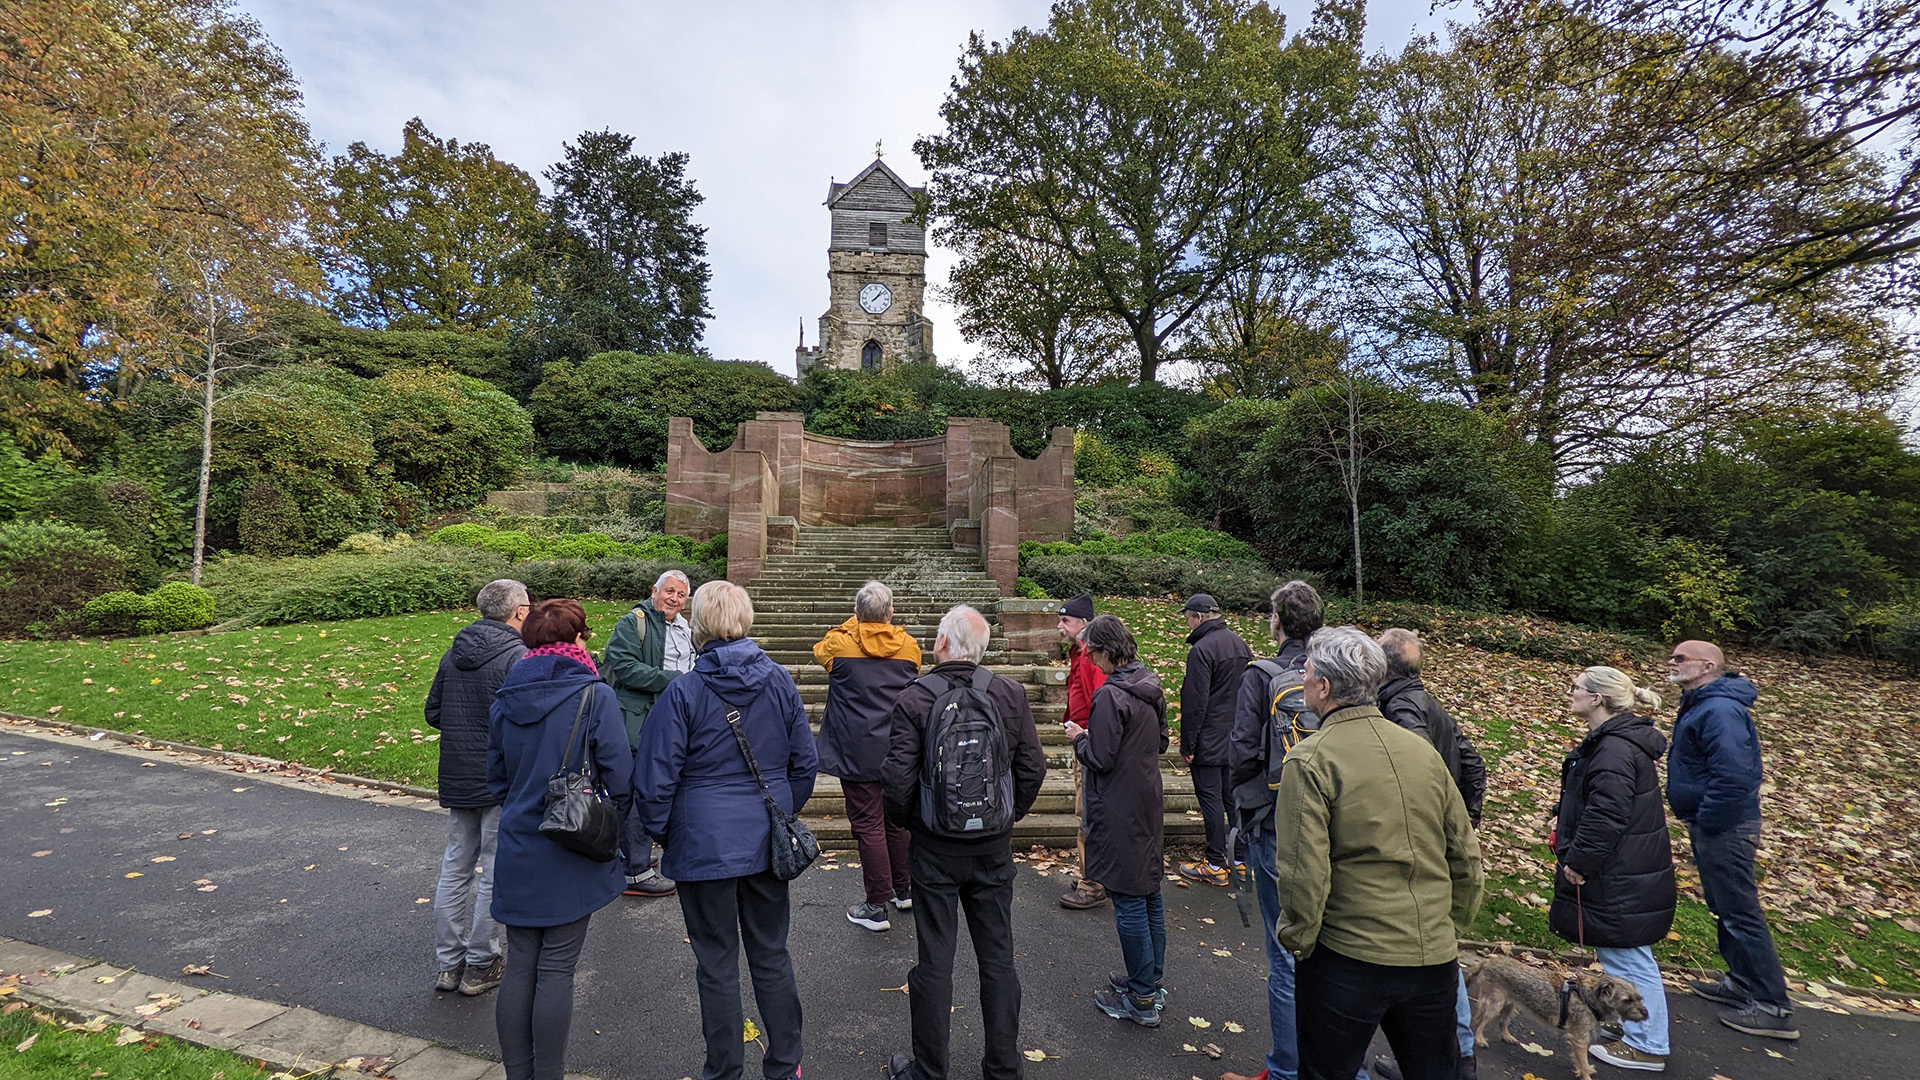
1713 784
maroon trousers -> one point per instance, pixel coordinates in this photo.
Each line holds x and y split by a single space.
883 847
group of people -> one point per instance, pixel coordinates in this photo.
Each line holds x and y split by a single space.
1343 796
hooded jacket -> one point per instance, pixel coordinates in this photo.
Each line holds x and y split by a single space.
868 664
1405 701
1612 831
1126 734
1713 767
536 881
1216 663
906 746
693 788
457 704
635 660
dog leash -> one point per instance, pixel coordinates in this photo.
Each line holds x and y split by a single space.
1566 1001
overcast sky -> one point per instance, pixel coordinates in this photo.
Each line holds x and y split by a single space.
770 99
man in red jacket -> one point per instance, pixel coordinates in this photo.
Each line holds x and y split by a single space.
1083 678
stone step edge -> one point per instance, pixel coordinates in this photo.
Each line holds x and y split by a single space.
73 994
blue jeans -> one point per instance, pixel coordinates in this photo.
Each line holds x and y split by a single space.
1638 967
1463 1015
463 928
1725 862
1283 1061
1142 922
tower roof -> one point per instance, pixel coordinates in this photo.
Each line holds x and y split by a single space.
877 172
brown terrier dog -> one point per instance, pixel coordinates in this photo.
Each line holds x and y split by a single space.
1578 1004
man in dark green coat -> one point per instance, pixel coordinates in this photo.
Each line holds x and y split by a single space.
650 646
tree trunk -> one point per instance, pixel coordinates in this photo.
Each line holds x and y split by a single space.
206 456
1148 343
1353 489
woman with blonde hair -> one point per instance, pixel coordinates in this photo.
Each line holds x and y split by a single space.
1613 889
696 793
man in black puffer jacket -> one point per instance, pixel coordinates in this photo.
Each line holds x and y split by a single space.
467 942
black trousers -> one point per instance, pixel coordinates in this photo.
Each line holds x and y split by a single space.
1339 1001
534 1010
982 886
1210 787
722 916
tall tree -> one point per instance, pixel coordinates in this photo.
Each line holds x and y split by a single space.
154 145
1846 75
437 237
1033 314
1541 252
1157 146
626 265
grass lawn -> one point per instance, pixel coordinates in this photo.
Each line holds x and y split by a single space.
58 1051
345 695
1841 862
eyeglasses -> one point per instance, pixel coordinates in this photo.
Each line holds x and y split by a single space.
1581 689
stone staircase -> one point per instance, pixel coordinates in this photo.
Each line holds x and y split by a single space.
800 596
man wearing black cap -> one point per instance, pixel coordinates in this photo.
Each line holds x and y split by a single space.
1216 661
1083 679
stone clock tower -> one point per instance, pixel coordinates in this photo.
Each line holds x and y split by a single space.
876 278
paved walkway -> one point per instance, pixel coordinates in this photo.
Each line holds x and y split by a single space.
318 900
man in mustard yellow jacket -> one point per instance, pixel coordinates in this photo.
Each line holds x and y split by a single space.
869 661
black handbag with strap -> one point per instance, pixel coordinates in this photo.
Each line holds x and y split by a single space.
792 845
579 815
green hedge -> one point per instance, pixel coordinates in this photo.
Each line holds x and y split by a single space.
1202 544
48 571
616 578
343 585
1238 584
172 607
585 546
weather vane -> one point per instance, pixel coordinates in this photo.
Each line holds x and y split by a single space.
877 152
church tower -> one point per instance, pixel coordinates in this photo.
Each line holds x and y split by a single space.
876 278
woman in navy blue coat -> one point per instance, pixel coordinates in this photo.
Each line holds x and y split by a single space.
697 796
543 893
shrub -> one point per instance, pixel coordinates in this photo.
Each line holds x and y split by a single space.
1239 585
1028 589
1696 592
617 578
48 571
587 545
372 543
173 606
1095 464
361 586
673 547
517 545
119 508
465 533
270 523
1448 500
180 606
1188 543
615 406
302 430
450 436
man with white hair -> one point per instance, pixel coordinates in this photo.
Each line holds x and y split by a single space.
1378 873
869 661
467 942
649 647
963 764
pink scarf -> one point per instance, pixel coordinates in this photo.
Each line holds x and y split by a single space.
569 650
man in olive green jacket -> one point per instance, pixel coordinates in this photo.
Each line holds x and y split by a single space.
649 647
1378 868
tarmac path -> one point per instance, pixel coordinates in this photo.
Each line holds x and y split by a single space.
317 899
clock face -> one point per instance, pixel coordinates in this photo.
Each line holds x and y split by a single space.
875 298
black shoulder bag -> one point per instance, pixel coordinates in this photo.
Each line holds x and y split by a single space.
579 815
791 843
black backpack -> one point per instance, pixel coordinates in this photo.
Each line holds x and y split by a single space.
1288 721
966 778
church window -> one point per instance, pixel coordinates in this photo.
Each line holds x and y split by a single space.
870 356
877 234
